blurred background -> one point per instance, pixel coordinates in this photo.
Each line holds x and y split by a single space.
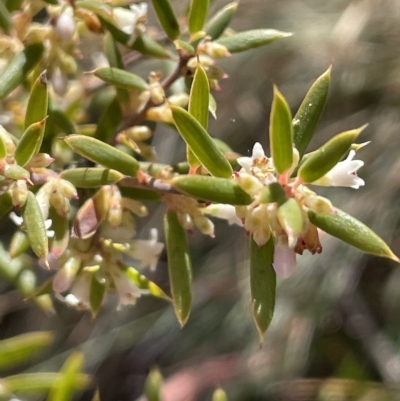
336 330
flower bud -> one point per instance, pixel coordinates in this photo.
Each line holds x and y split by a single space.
19 193
134 206
249 183
216 50
40 160
65 25
138 133
67 189
180 99
160 114
59 82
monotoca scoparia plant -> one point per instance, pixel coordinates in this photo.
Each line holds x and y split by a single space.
58 59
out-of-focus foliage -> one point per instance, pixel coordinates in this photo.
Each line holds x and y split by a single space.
335 327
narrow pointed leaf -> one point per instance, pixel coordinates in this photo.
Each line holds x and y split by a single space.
140 194
306 119
5 19
213 189
16 172
262 283
352 231
179 266
68 383
152 385
35 227
281 133
273 193
5 203
103 154
201 143
36 382
3 149
220 21
319 162
149 47
38 102
91 177
212 106
29 143
110 120
144 283
19 244
197 15
292 219
23 347
19 67
167 18
97 292
246 40
198 106
186 47
121 78
60 240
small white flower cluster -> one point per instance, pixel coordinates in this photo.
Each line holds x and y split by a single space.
261 220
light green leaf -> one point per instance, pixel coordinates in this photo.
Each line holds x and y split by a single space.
22 348
213 189
197 15
306 119
281 133
60 226
167 18
121 78
179 266
19 67
246 40
212 106
3 149
220 21
139 194
19 244
5 19
30 143
91 177
292 219
103 154
262 283
319 162
273 193
201 143
38 102
97 292
149 47
5 203
35 227
350 230
16 172
109 120
186 47
152 385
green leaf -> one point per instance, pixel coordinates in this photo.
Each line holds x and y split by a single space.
16 172
197 15
109 121
3 149
103 154
32 383
306 119
184 46
152 385
35 227
97 292
139 194
23 347
273 193
144 283
292 219
149 47
219 395
246 40
121 78
212 106
19 67
220 21
201 143
65 386
262 283
5 19
60 226
350 230
5 203
198 106
281 133
38 102
167 18
179 266
319 162
29 143
19 244
213 189
91 177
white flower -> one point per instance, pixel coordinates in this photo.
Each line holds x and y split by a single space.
131 21
146 252
284 257
79 295
247 162
226 212
65 25
343 174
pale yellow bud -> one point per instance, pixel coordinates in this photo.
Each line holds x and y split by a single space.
180 99
19 193
67 189
138 133
134 206
160 114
